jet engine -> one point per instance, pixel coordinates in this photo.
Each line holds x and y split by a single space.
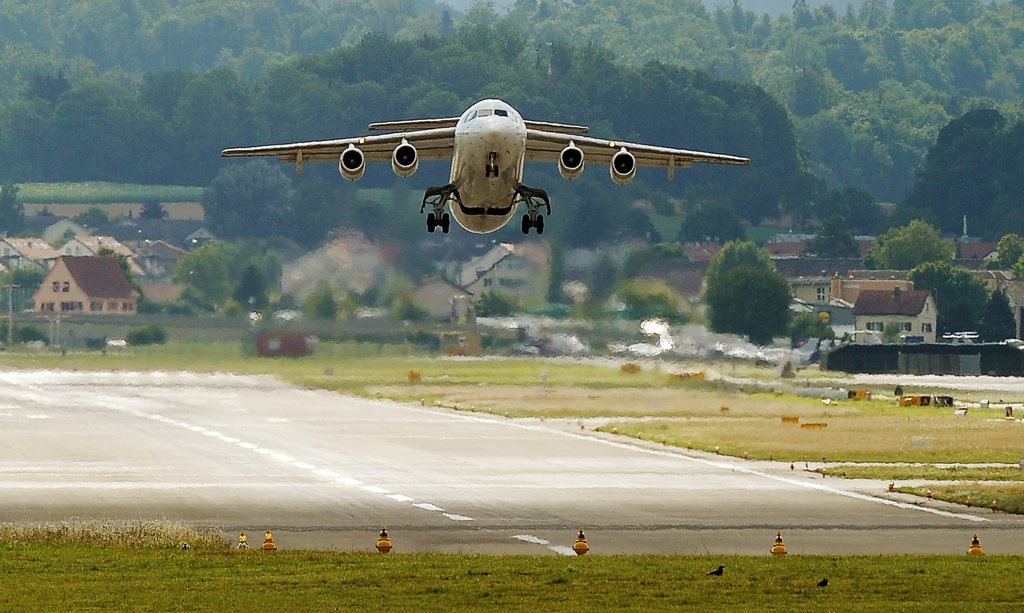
404 160
352 163
570 162
623 167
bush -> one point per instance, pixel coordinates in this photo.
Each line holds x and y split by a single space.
147 335
28 334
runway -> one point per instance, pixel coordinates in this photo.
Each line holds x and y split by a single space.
324 471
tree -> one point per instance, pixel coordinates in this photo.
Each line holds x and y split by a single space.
737 254
247 200
12 213
997 323
152 209
93 217
833 240
647 299
206 276
959 296
321 304
1008 252
908 246
493 304
713 221
751 301
251 291
809 325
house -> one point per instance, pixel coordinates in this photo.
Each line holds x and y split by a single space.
185 234
53 228
93 245
518 271
912 310
86 285
443 300
350 262
27 253
158 259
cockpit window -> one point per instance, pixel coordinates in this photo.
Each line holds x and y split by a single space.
501 112
484 113
471 117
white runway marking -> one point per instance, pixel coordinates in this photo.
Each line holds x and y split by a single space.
721 465
536 540
287 459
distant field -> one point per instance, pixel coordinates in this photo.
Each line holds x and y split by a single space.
105 193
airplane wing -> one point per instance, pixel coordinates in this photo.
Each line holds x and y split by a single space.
544 146
431 144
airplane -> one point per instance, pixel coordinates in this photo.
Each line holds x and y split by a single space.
488 146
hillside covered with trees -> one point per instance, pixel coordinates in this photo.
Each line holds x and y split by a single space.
837 108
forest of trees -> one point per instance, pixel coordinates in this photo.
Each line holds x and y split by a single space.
838 109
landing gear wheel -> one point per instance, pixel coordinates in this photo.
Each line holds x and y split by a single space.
526 224
431 222
539 225
446 222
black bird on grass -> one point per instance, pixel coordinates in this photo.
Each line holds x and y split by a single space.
718 572
823 583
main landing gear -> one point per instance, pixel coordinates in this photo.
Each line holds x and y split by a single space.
436 198
534 199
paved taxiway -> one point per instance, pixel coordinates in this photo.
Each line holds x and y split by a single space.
324 471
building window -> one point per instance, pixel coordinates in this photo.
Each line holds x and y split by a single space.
821 294
111 306
56 286
926 326
95 306
875 326
67 287
488 282
906 326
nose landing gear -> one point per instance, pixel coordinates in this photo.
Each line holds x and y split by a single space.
492 165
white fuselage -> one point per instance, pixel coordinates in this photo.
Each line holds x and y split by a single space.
489 133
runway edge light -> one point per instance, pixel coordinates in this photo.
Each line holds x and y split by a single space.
383 540
580 546
975 549
779 548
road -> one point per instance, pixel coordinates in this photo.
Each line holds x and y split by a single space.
325 471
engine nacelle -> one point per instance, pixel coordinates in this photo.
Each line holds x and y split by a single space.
570 162
623 167
352 163
404 160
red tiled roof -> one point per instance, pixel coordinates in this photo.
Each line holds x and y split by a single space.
786 249
975 251
885 302
99 277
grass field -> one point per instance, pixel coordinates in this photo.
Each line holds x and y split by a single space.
48 578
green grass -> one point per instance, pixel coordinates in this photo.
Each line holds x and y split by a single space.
97 192
48 578
1005 497
926 472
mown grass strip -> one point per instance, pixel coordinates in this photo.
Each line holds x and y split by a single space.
926 472
1004 497
47 578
